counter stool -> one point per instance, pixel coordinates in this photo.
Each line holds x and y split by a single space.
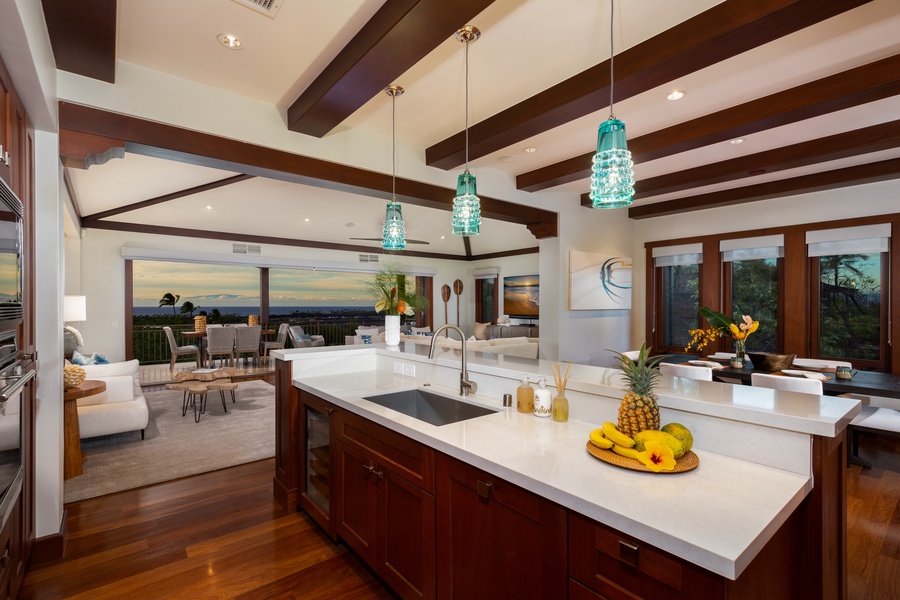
222 387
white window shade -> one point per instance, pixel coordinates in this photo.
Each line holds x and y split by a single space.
753 248
866 239
684 254
486 273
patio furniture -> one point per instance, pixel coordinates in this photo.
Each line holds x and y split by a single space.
278 344
299 339
180 350
220 342
246 341
686 371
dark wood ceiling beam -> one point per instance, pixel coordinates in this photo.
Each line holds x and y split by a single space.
817 182
82 150
884 136
397 37
280 241
83 36
165 198
854 87
726 30
167 141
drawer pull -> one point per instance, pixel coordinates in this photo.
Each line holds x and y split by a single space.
371 470
628 553
485 488
330 411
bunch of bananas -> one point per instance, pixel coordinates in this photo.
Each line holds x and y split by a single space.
610 438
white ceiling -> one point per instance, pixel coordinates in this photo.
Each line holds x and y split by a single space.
526 47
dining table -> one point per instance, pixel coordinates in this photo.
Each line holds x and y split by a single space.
868 383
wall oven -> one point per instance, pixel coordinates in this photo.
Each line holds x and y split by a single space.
13 378
12 308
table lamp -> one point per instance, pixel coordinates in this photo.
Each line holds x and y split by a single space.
74 309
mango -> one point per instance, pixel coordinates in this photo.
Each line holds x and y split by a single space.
682 433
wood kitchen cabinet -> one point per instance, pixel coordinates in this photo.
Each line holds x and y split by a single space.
6 102
386 506
495 539
316 490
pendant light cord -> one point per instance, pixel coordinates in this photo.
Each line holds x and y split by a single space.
394 146
612 11
467 105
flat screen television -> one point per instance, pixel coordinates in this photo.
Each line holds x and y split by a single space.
522 296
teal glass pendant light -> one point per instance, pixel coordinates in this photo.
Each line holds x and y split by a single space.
612 174
466 205
393 236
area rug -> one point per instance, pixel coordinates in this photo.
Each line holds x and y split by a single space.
176 446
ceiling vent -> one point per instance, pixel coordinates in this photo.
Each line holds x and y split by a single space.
253 249
265 7
368 258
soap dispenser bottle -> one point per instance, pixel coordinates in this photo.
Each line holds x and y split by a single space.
543 406
525 397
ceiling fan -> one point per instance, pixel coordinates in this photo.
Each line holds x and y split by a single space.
408 241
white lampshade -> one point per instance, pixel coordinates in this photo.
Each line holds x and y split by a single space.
74 308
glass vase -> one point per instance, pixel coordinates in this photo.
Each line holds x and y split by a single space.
739 358
560 409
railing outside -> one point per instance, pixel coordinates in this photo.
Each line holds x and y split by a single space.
151 346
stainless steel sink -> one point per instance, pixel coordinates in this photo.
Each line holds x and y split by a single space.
429 407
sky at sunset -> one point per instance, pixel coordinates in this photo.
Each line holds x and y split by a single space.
215 286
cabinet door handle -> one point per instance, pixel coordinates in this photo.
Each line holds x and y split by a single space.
370 469
485 488
628 553
330 412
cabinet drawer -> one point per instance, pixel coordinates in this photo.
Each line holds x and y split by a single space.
619 567
407 458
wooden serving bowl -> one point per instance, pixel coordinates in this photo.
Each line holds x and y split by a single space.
767 361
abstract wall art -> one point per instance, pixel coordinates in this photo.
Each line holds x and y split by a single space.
599 281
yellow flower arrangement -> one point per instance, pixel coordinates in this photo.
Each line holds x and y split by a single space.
392 292
721 326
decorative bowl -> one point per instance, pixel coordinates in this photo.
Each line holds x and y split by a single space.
767 361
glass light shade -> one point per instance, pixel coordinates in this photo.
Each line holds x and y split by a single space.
466 207
612 177
394 235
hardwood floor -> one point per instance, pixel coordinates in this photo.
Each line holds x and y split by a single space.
217 535
220 535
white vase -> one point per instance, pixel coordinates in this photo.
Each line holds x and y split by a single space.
392 330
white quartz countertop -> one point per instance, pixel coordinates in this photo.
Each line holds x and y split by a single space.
717 516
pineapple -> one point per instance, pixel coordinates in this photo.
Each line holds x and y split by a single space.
639 411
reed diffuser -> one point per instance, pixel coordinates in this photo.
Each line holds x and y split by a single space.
560 403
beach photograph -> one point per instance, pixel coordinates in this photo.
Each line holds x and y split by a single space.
521 296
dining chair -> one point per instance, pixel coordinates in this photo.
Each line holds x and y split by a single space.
687 371
786 383
246 341
180 350
632 354
278 343
220 342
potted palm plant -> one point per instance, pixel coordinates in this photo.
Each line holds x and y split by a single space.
395 296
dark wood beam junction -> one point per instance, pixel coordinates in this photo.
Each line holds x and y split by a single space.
884 136
400 34
817 182
83 150
174 143
83 36
726 30
854 87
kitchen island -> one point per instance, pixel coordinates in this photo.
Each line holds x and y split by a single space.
769 486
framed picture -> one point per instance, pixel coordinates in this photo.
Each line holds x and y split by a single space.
521 296
598 281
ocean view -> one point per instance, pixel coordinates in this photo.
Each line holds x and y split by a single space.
244 311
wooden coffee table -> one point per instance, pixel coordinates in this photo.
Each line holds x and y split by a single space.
74 455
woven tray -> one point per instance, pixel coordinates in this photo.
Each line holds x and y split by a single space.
686 462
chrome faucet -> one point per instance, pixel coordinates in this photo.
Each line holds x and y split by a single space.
466 387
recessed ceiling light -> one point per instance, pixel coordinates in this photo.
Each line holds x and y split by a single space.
442 237
230 41
306 220
676 95
209 207
507 159
737 141
349 224
530 149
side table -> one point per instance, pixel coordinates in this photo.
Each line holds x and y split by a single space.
74 456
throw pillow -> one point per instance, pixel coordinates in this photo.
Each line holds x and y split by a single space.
98 359
367 339
420 330
481 331
82 359
304 336
361 331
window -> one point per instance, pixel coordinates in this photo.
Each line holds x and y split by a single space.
751 286
849 319
677 295
486 299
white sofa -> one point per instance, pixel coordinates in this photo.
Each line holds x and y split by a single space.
521 346
121 408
